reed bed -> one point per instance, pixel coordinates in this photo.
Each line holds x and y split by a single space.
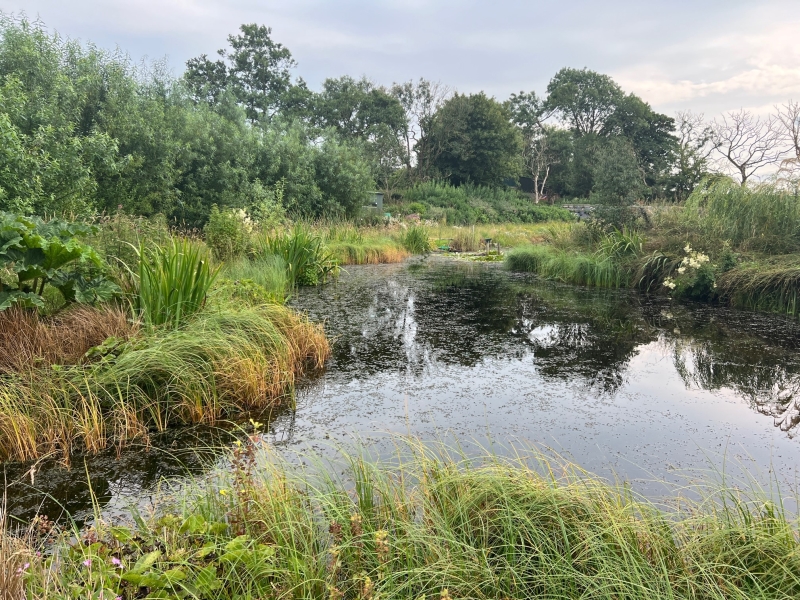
217 365
431 525
594 270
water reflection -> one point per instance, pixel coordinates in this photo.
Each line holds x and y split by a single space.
445 313
611 376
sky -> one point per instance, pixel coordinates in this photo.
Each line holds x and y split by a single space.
708 56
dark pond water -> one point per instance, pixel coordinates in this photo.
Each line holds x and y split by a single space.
637 388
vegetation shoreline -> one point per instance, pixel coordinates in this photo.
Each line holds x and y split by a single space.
436 525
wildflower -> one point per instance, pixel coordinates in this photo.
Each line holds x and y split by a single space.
668 283
223 492
681 270
115 561
87 563
688 248
445 595
256 425
21 570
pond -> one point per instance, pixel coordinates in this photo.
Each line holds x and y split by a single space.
628 386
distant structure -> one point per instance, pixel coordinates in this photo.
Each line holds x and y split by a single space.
374 203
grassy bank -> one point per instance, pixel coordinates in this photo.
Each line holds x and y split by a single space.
437 526
223 362
729 245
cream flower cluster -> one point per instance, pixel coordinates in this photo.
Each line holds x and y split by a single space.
694 259
247 222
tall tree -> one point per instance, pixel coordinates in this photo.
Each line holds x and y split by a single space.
745 143
692 154
651 136
473 140
255 67
583 99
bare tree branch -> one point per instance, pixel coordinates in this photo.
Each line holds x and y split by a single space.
746 143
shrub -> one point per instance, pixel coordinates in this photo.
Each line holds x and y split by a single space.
173 282
267 272
228 232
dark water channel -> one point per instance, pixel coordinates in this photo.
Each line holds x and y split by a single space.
637 388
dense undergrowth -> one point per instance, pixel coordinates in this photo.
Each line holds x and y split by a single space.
728 244
436 525
470 204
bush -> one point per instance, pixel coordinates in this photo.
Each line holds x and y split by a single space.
470 204
35 254
228 232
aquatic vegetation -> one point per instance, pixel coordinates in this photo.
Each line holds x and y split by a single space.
570 267
436 526
308 261
220 363
416 240
173 282
267 271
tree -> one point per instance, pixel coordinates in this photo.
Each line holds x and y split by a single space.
256 68
692 153
539 156
618 179
651 136
787 125
584 99
420 101
472 139
745 143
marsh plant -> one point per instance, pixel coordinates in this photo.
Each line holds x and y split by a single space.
307 260
434 524
416 240
173 281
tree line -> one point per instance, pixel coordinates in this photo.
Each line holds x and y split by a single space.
85 130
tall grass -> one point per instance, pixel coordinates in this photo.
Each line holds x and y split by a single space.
173 281
763 218
307 260
217 365
268 271
595 270
416 240
436 525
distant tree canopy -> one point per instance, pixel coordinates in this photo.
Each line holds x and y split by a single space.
472 140
83 131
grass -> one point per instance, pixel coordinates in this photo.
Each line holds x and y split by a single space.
431 525
728 244
594 270
268 271
173 281
217 365
416 240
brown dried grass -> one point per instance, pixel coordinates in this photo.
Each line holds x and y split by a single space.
28 340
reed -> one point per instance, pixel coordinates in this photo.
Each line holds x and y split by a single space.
594 270
435 524
173 281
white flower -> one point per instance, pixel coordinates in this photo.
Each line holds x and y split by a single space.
687 249
669 283
681 270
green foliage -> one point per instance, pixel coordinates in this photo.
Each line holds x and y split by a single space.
35 253
416 240
173 282
583 98
621 243
570 267
261 279
763 218
472 140
468 204
228 232
307 260
433 525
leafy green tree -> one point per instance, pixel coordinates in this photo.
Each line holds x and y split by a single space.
584 99
618 178
650 134
255 67
473 140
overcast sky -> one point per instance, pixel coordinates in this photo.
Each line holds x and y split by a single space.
706 55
